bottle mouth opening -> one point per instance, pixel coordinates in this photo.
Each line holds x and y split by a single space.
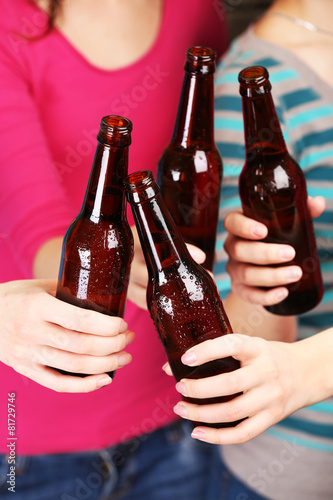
254 81
115 130
200 53
140 186
139 179
200 60
119 124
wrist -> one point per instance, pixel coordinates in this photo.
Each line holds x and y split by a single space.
314 368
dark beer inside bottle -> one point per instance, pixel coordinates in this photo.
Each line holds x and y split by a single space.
272 188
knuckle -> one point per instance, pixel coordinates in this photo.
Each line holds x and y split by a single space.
268 298
266 253
18 351
82 343
226 244
75 364
228 267
78 319
227 221
194 389
196 414
245 435
231 382
21 330
58 384
234 249
244 272
119 343
233 412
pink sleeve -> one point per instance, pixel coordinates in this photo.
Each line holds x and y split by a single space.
33 205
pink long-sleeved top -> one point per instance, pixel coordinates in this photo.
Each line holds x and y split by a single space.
51 103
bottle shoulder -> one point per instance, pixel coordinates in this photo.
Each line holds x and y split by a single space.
88 233
189 161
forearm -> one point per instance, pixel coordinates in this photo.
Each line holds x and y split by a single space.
47 260
254 320
313 359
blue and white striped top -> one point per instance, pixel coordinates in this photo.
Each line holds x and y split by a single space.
304 105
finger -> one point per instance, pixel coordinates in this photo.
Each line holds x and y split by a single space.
316 205
198 255
82 343
257 252
224 384
81 363
167 369
55 381
240 407
241 433
263 275
237 224
211 413
78 319
233 344
259 296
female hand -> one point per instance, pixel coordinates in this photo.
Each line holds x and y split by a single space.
139 275
39 332
272 379
250 260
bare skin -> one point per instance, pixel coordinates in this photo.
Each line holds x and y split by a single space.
129 25
39 333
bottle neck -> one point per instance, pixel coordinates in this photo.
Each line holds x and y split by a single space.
262 128
161 242
195 118
105 194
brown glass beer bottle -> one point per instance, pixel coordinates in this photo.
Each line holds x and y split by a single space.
273 190
182 298
190 168
98 245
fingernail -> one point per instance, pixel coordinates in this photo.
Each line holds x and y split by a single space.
180 387
294 273
180 410
130 337
123 326
198 434
164 366
198 254
188 358
258 230
124 359
287 253
281 294
102 382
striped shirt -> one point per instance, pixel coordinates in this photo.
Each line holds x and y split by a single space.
304 105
